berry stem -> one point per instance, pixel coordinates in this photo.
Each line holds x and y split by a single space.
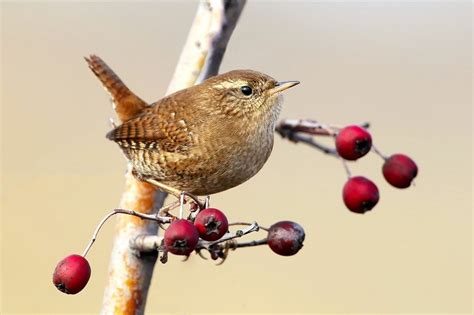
247 224
97 229
207 202
298 137
217 249
239 233
251 243
303 130
181 205
346 168
377 151
288 126
144 216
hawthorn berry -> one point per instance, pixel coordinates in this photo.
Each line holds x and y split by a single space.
360 194
211 224
181 237
353 142
285 238
399 170
72 274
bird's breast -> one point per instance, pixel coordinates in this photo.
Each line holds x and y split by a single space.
228 158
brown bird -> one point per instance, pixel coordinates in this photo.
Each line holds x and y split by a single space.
201 140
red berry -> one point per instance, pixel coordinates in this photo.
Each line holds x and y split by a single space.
360 194
399 170
211 224
285 238
72 274
353 142
181 237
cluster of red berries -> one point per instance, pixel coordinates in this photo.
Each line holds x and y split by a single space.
181 238
360 194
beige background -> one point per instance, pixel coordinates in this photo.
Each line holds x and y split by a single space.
403 66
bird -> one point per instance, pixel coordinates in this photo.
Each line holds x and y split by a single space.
201 140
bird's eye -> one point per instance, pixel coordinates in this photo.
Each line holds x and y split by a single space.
246 90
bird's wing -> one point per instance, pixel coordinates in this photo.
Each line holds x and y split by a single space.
154 130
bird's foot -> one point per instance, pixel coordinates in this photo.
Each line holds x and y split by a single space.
170 190
165 210
183 196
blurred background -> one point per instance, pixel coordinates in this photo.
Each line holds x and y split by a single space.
404 66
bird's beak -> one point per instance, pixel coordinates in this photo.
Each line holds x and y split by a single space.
281 86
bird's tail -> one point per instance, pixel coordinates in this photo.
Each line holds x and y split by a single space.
126 103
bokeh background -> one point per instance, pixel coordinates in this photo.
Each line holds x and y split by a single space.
404 66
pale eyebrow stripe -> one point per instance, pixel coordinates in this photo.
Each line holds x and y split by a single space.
230 84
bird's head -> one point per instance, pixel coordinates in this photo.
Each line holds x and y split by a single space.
247 93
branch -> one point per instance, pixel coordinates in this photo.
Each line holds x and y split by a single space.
308 126
217 249
230 236
247 224
150 243
297 137
221 30
129 274
206 43
143 216
303 130
251 243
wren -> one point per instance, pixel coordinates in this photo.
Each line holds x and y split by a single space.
201 140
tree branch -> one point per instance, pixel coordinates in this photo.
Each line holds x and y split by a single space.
206 43
130 274
303 130
153 243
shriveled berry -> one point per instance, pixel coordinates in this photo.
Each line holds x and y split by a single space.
353 142
181 237
399 170
71 274
211 224
360 194
285 238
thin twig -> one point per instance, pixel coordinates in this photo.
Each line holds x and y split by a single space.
122 211
97 229
239 233
250 243
247 224
150 243
377 151
297 137
222 30
303 130
346 168
307 126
